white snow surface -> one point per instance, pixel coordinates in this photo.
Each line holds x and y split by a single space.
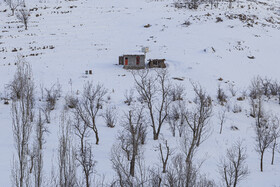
94 33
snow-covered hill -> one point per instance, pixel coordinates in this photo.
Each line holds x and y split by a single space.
66 38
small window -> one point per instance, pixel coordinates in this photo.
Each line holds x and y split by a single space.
155 63
137 60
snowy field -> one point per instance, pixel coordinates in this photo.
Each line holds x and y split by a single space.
91 34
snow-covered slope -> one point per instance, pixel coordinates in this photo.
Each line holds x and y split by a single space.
66 38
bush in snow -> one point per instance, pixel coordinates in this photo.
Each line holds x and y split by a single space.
110 116
129 97
221 96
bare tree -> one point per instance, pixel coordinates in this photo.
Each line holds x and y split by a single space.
66 155
22 86
39 141
264 136
165 153
84 154
195 132
81 131
126 156
133 127
22 128
85 160
263 126
22 92
124 146
189 148
121 168
275 135
180 173
198 119
23 16
13 4
232 167
89 105
222 118
154 92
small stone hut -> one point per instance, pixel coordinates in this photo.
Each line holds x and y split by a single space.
132 61
156 63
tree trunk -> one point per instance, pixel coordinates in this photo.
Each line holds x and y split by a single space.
198 139
155 134
132 166
97 137
153 122
273 150
82 144
25 25
87 181
261 162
